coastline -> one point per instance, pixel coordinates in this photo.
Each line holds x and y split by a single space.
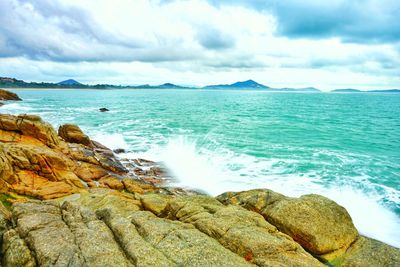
73 174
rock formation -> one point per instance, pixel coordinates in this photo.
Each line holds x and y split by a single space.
65 200
7 95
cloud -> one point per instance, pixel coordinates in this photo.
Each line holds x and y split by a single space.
359 21
191 42
212 38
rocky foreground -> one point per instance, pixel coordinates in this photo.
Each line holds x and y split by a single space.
66 200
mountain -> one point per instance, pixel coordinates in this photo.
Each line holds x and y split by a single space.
69 82
249 84
169 86
347 90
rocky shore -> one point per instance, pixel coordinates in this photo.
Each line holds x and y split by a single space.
66 200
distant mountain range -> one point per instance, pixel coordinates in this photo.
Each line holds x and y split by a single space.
350 90
249 84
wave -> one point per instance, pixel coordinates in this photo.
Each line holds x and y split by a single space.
112 140
218 170
14 108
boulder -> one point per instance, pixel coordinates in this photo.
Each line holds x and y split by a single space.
7 95
244 232
317 223
37 171
27 129
368 252
103 110
73 134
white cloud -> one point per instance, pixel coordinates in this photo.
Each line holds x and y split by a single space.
187 42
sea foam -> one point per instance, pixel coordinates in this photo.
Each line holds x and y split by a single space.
220 170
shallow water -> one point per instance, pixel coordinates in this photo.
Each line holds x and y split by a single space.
344 146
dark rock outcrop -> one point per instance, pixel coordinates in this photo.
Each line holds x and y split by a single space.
7 95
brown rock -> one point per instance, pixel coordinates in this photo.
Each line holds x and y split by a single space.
32 127
73 134
89 172
111 182
135 186
7 95
317 223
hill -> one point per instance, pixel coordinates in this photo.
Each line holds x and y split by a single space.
249 84
69 82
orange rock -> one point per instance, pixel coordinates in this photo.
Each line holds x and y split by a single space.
111 182
29 125
134 186
31 184
89 172
73 134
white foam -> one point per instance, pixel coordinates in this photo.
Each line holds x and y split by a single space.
112 140
14 108
218 170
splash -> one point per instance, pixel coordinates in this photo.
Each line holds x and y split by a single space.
112 140
219 170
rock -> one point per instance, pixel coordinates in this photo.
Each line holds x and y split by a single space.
154 203
7 95
182 243
36 162
317 223
15 251
1 104
369 252
104 109
37 171
119 150
244 232
89 172
111 182
73 134
27 129
136 186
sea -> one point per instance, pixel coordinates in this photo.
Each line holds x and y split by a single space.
345 146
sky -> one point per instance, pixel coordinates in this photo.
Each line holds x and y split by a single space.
280 43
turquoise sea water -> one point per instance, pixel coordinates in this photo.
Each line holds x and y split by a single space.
344 146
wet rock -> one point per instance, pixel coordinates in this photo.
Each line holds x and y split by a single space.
1 104
119 150
103 110
7 95
73 134
317 223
